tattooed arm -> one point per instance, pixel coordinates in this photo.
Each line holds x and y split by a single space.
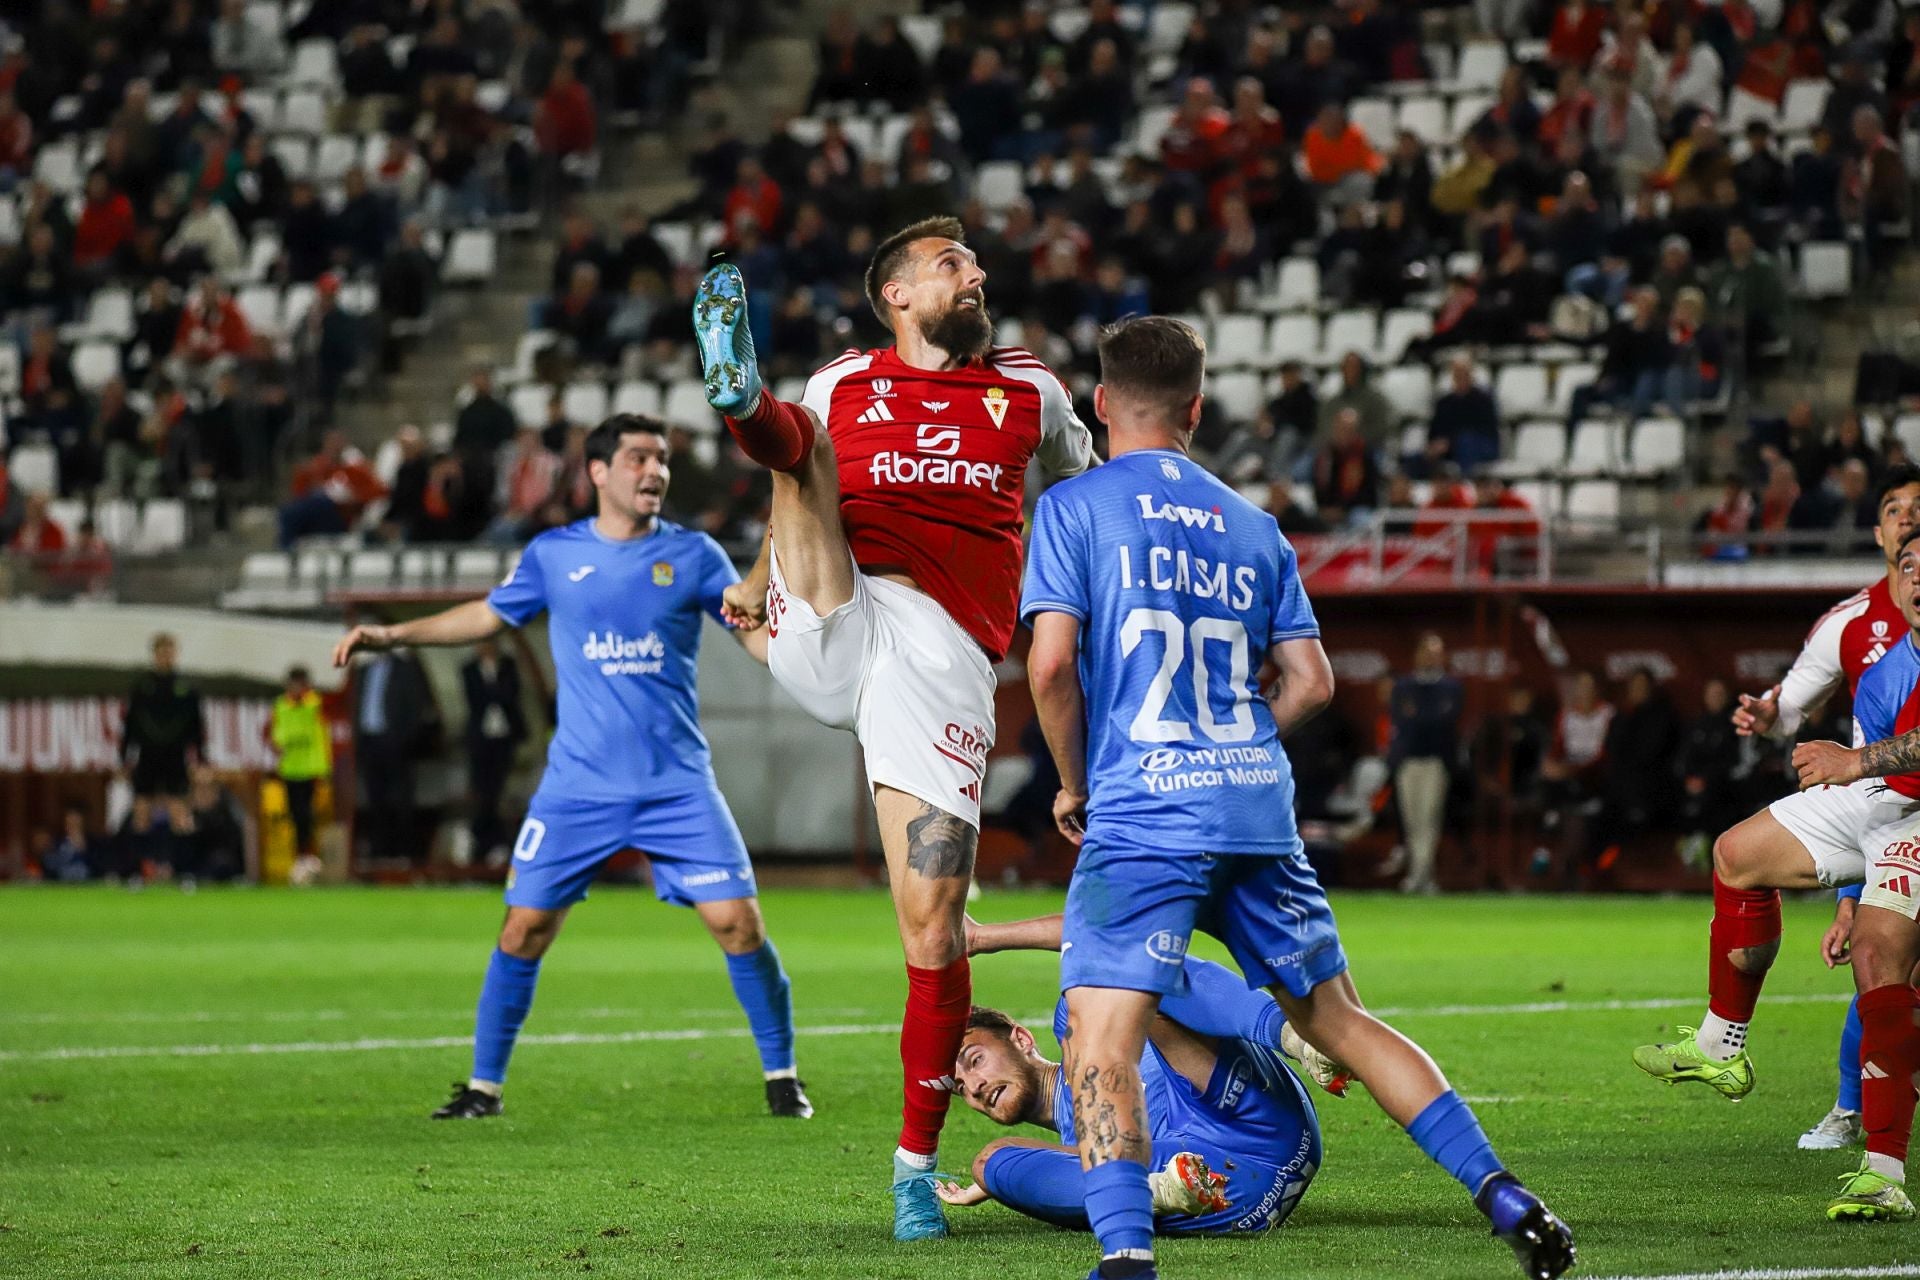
1830 764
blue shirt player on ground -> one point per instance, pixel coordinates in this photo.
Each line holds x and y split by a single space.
1235 1138
628 767
1155 592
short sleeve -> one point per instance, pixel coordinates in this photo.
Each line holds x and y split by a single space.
1066 446
1056 562
820 387
1873 718
1292 612
716 575
524 593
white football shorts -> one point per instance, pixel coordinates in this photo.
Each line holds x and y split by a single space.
1845 828
894 667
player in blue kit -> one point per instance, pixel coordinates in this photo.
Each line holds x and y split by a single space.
1155 592
625 593
1235 1139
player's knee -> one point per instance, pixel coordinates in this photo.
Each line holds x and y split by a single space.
987 1153
738 932
933 944
1880 961
1735 861
528 937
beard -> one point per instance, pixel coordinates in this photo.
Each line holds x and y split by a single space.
962 332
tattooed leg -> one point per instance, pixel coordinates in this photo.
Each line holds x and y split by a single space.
1106 1033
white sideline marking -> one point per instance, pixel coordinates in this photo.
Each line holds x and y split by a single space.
1783 1273
376 1045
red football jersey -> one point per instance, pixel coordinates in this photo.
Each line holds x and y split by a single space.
933 467
1849 638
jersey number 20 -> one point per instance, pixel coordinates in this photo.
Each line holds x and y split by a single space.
1149 725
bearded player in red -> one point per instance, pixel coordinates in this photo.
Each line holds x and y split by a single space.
890 584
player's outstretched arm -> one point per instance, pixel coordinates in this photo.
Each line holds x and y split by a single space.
1828 764
1305 686
743 605
1757 716
754 641
462 624
1041 933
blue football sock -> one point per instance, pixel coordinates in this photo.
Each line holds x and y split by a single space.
1848 1098
1039 1183
1119 1206
1450 1134
761 986
505 997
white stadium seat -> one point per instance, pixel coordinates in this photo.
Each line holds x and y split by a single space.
1426 119
640 397
585 403
999 183
1299 284
337 153
1355 330
529 402
110 313
1482 63
1466 112
1521 390
1657 446
1409 389
95 364
35 468
1805 103
295 156
1238 395
471 257
1539 448
1293 337
686 405
1595 450
1826 269
1568 379
314 64
1375 118
1400 327
1597 500
1151 127
303 111
260 304
1238 341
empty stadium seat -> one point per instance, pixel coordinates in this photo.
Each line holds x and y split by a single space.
58 165
1293 337
295 156
999 183
1009 332
475 564
110 313
1805 103
1409 389
318 566
1299 284
1482 63
1238 395
677 239
1657 446
260 304
585 403
1595 450
1375 118
1826 269
1597 500
529 403
1400 327
295 302
163 526
1542 495
1238 341
1354 330
922 31
335 154
34 468
1426 119
1466 111
643 398
686 405
1906 429
471 257
95 364
314 64
1744 108
303 111
1151 127
371 568
267 569
1521 390
1539 448
1567 379
792 390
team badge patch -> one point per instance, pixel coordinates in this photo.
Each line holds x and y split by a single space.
996 402
662 574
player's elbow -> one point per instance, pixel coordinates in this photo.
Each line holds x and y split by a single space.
1311 689
1050 671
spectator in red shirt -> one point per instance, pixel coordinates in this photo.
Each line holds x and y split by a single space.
106 221
40 539
1571 112
1338 156
16 139
564 119
212 328
1256 129
1196 138
754 194
1576 32
330 490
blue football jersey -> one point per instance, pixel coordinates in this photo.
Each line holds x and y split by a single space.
1181 587
1253 1102
624 627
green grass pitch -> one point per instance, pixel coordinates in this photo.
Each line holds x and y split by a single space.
636 1144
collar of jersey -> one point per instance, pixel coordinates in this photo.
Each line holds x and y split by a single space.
593 531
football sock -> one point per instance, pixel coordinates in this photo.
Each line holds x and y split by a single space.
774 434
1889 1056
1039 1183
938 1001
505 997
1218 1002
1742 919
1450 1134
761 987
1848 1096
919 1162
1120 1208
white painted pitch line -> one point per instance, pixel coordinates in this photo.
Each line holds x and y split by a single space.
375 1045
1784 1273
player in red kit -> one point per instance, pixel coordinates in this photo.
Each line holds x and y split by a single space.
890 584
1816 837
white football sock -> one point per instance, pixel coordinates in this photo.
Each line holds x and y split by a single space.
1719 1039
1888 1167
784 1073
914 1160
489 1087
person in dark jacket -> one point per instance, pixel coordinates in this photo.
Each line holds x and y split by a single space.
1710 800
496 726
394 719
1640 743
165 735
1425 711
486 422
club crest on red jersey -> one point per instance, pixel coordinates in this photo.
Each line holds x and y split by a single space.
996 402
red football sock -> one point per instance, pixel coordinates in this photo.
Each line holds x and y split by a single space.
776 434
938 1001
1889 1055
1741 918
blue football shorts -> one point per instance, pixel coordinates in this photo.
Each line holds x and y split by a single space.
690 839
1131 912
